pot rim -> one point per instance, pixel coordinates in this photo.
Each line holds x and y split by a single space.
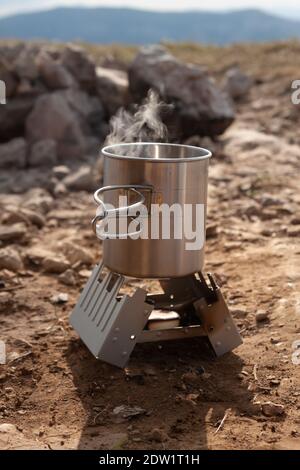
106 151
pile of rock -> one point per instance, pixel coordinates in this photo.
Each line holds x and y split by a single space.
55 109
59 103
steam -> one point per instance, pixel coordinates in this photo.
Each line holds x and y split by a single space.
145 125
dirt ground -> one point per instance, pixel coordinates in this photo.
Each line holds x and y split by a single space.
58 396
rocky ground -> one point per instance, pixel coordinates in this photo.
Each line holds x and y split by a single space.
55 395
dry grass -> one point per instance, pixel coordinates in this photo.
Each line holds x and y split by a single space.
273 59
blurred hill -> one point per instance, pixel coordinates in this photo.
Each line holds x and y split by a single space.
124 25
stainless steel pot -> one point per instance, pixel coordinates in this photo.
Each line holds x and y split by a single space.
160 174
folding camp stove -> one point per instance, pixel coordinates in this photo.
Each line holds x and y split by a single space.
111 323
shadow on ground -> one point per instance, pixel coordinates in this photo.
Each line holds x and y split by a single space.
183 389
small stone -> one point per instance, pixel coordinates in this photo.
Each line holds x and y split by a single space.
59 189
26 216
190 378
239 313
211 230
13 232
293 231
67 278
61 298
135 376
85 273
35 217
127 412
38 199
10 259
76 254
261 316
60 171
192 397
148 370
36 255
272 409
55 264
158 435
6 301
237 83
7 428
274 382
80 180
275 340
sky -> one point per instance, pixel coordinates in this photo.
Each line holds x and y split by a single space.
288 8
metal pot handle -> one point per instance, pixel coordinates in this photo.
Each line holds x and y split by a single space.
118 210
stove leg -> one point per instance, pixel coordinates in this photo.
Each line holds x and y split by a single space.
217 322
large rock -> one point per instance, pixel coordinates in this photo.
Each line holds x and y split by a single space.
43 153
88 109
53 73
25 62
13 154
8 77
80 65
112 88
69 117
199 107
53 118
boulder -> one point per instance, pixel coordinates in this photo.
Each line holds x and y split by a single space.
54 74
13 154
10 259
9 78
237 84
53 118
27 87
25 62
88 109
199 106
80 65
112 88
43 153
